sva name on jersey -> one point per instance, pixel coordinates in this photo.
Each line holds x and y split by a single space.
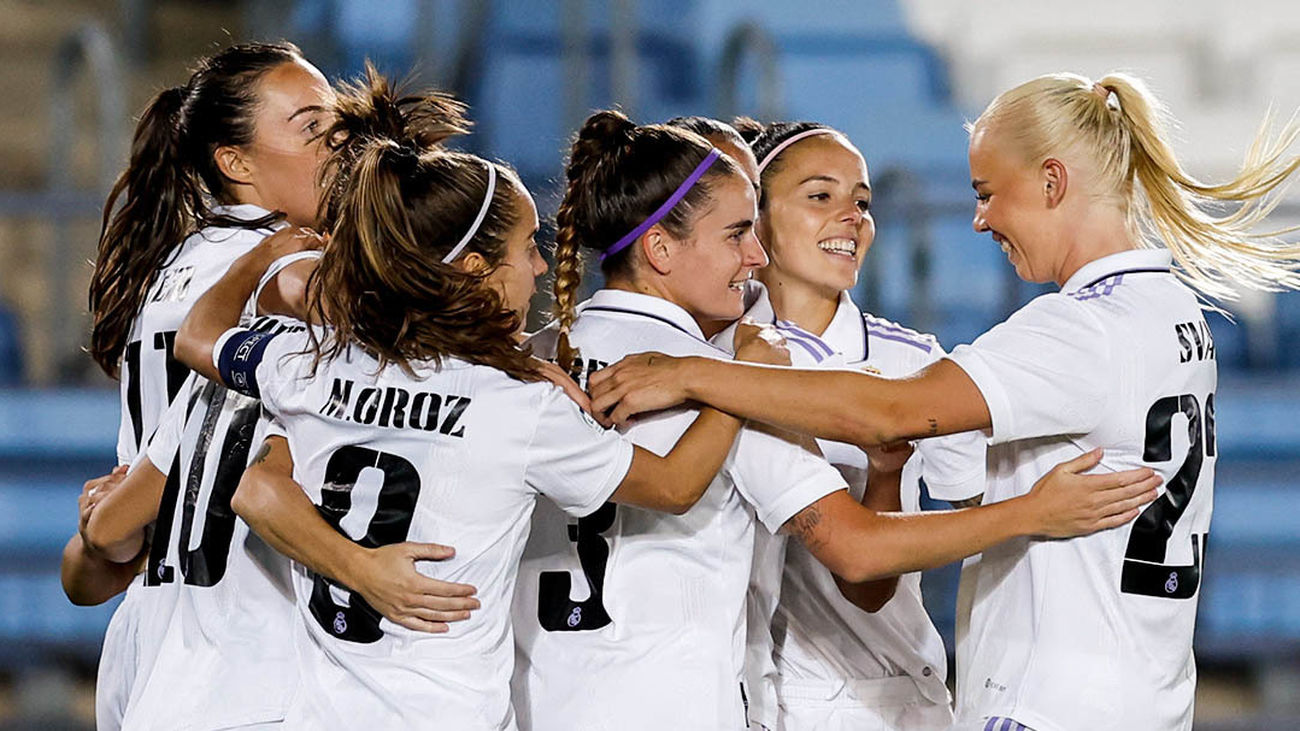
1194 341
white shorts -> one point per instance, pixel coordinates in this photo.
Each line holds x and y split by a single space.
887 704
992 723
118 662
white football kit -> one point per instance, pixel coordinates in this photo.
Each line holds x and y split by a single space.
631 619
149 379
220 598
1095 632
455 455
816 661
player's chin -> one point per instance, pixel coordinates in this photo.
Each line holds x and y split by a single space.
729 307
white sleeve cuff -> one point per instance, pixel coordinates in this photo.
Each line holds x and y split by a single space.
221 344
995 397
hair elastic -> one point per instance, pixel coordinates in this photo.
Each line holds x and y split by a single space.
478 220
769 157
667 206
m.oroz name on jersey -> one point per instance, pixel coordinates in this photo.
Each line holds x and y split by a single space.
1194 341
396 408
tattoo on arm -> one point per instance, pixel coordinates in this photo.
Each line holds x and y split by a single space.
262 453
804 527
934 426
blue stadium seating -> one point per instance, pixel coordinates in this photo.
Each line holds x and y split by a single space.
11 349
50 443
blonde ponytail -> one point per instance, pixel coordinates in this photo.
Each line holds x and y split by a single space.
1119 125
1216 253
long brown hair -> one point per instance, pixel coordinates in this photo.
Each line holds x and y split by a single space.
618 173
168 181
400 204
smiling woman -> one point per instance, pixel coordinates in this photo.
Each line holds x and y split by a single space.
631 195
1077 183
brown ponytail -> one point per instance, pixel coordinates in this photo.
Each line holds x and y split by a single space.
617 174
162 195
137 240
401 204
372 108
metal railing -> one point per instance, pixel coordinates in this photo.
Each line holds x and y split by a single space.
90 49
744 40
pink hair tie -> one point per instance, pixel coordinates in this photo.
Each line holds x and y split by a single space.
769 157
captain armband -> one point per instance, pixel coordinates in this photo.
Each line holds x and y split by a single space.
237 354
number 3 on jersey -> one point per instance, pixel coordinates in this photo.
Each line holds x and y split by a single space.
1145 571
555 610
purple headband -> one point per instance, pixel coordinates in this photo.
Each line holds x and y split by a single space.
663 210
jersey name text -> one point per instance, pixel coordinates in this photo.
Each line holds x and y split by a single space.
396 408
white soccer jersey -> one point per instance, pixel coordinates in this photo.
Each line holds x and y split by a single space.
1095 632
217 601
150 375
808 644
454 455
631 619
149 378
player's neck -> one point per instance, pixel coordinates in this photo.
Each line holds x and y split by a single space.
658 287
1099 234
811 308
249 195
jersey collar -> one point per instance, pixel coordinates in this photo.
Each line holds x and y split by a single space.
242 211
847 332
655 308
1141 260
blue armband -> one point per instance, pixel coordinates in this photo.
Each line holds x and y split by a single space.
237 363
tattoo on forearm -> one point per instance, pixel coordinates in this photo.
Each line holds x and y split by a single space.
804 526
262 453
934 426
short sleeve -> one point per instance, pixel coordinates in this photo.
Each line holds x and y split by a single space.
273 427
571 459
1045 371
166 439
779 477
954 466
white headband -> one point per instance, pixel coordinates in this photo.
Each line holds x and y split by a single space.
478 220
769 157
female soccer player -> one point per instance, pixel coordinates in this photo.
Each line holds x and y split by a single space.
662 611
229 154
839 666
220 599
1076 181
415 414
